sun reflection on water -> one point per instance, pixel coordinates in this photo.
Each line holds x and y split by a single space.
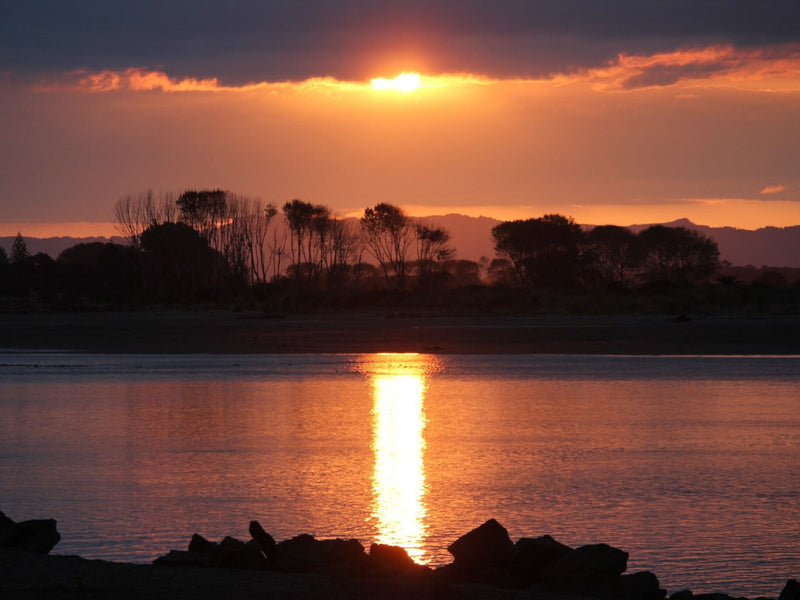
398 481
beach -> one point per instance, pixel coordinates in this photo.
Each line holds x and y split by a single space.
227 332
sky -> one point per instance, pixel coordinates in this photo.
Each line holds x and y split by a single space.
621 111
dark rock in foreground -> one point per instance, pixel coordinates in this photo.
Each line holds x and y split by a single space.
532 555
791 591
38 535
586 567
484 547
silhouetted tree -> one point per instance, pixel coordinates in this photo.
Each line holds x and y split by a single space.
255 229
135 213
432 251
387 236
545 251
462 273
19 251
181 260
616 254
501 272
309 226
103 271
677 255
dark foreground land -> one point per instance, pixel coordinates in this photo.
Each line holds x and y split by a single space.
33 577
238 332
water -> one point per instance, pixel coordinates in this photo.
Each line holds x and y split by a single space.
691 464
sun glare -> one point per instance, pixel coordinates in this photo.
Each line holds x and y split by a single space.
405 82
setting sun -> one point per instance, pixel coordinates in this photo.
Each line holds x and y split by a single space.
405 82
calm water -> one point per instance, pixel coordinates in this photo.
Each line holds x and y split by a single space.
691 464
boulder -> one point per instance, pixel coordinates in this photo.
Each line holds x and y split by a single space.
791 591
715 596
483 547
265 541
37 535
300 554
586 567
236 554
393 561
531 555
184 558
343 552
201 545
643 585
5 523
682 595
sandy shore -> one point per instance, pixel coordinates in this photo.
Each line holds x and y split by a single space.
230 332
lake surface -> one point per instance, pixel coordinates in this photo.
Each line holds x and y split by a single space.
691 464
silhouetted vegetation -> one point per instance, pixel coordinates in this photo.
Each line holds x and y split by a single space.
214 248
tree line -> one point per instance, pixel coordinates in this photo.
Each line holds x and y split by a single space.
207 244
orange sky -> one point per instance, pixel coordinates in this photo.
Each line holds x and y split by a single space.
711 134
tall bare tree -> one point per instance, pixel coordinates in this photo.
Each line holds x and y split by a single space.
136 212
387 235
433 249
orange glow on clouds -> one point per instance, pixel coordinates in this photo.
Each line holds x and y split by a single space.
626 143
775 69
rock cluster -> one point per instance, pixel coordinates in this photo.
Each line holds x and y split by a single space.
39 535
486 555
300 554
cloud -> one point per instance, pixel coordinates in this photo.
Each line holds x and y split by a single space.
774 68
774 189
140 79
767 69
257 40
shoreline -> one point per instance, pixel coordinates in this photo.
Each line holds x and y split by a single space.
225 332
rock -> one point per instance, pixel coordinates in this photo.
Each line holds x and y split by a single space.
682 595
300 554
5 523
483 547
265 541
531 555
715 597
791 591
38 535
184 558
348 556
236 554
586 567
393 561
637 586
201 545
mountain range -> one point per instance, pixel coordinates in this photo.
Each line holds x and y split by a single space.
471 237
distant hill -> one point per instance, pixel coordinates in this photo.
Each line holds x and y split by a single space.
471 237
772 246
54 245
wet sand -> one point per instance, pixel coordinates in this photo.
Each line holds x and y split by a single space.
230 332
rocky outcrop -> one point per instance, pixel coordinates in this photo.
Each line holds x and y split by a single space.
586 567
38 535
532 555
791 591
484 547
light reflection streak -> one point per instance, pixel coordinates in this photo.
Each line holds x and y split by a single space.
398 483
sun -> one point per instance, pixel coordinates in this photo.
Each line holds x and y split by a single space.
405 82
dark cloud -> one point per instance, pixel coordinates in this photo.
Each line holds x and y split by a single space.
245 40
